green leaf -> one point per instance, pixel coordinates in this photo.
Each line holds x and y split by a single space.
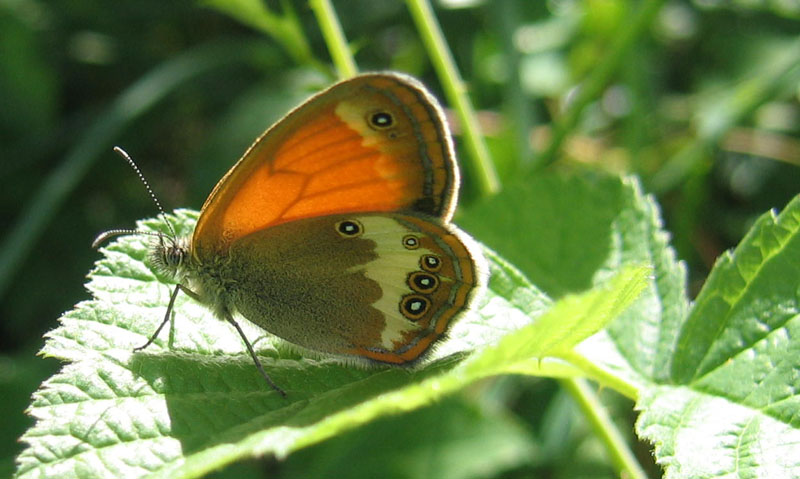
577 231
556 229
730 407
193 401
570 321
452 439
716 379
643 339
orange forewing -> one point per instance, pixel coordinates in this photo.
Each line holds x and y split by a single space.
324 158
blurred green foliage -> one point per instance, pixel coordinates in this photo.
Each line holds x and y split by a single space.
703 105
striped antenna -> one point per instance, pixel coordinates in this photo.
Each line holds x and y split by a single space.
102 237
135 167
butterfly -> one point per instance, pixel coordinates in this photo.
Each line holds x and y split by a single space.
333 230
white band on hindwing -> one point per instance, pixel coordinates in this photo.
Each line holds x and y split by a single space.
394 263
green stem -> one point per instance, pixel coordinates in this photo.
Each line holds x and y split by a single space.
600 375
601 76
516 105
334 37
284 28
481 164
604 427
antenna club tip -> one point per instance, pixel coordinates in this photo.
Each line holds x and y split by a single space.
105 235
121 152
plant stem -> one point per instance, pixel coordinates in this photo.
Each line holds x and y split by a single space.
481 164
284 28
604 427
517 108
589 369
334 37
601 76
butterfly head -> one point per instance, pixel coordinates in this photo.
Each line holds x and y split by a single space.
169 254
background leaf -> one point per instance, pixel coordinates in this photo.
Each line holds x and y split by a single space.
575 232
730 407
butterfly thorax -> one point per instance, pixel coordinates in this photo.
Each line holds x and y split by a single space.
203 280
209 279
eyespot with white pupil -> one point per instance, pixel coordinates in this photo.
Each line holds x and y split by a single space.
423 282
430 263
381 120
414 306
349 228
410 242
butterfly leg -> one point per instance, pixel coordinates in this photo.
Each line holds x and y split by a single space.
166 316
274 386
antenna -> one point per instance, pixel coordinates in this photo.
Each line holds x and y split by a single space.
102 237
161 212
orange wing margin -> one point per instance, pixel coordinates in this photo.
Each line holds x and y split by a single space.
325 158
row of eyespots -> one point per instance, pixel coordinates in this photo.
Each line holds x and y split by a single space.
414 306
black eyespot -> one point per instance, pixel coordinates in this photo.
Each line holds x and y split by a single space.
414 306
349 228
410 242
430 263
381 120
423 282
